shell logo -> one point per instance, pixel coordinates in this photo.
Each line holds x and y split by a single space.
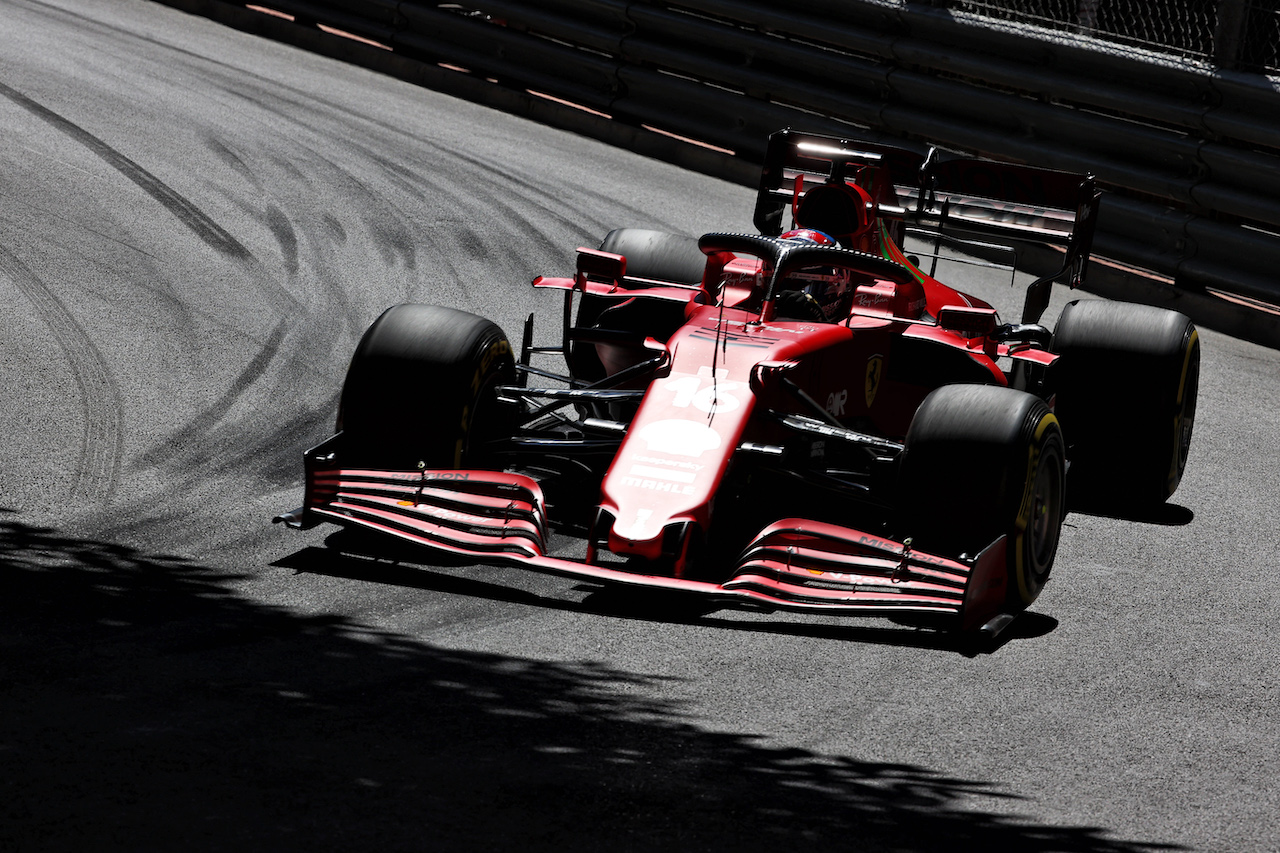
679 437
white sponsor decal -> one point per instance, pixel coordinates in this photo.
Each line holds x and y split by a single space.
673 463
662 473
657 485
679 437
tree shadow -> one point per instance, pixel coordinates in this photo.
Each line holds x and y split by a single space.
148 706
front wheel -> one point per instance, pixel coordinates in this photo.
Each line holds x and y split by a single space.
980 462
420 389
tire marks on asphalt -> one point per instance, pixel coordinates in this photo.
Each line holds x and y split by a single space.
282 230
187 213
101 444
204 423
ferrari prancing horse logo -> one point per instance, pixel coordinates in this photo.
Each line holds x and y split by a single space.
875 368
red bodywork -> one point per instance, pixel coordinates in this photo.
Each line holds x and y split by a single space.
731 362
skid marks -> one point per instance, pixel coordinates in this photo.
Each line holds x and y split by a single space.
305 202
556 202
284 393
187 213
237 164
100 447
390 228
282 230
466 237
323 183
246 439
206 421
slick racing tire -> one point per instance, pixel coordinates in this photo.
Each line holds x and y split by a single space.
1127 382
649 254
657 254
420 389
983 461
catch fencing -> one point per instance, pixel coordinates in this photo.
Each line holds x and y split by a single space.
1161 99
1237 34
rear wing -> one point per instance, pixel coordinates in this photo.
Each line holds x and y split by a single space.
935 193
796 162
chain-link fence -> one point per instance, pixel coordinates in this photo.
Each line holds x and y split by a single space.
1238 34
1259 47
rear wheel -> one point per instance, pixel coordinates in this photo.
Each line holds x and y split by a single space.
420 389
649 254
657 254
1127 382
981 462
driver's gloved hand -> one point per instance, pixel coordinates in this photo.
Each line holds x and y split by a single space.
798 305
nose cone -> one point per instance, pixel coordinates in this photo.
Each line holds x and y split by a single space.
639 536
668 469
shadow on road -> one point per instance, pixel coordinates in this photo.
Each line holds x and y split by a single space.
1163 515
403 566
147 706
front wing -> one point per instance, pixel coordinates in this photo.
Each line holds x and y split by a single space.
793 564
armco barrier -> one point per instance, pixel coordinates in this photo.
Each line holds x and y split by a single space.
1189 155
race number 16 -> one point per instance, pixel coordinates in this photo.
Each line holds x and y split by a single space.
704 393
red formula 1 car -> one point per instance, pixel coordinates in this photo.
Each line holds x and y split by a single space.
803 421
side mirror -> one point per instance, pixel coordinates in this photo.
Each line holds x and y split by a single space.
595 265
970 322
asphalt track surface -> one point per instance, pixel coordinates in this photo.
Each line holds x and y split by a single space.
195 227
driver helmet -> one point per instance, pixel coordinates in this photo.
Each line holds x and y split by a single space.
830 287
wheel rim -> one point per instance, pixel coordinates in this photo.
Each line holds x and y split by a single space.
1187 415
1046 515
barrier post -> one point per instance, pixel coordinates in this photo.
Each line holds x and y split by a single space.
1227 36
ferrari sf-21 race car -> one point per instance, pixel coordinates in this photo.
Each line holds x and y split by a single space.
800 419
